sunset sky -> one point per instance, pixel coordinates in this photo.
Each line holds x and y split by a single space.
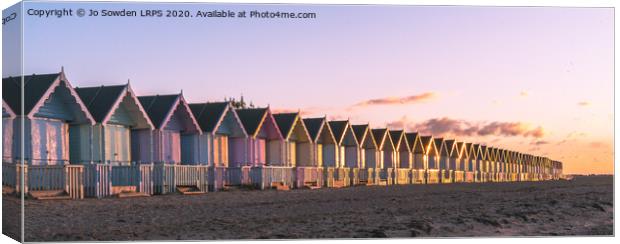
533 79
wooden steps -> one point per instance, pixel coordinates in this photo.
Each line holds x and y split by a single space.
190 190
132 194
312 185
280 186
50 195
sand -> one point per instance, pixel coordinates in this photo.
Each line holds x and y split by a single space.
583 206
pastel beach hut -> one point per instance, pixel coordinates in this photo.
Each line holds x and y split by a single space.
347 154
491 164
119 116
403 157
323 153
481 163
297 143
418 152
53 118
370 164
458 158
175 125
221 146
431 157
386 154
471 168
500 162
444 158
265 149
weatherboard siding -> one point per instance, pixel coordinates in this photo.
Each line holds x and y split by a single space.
7 138
142 150
80 140
50 142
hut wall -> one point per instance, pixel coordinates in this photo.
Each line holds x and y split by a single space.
433 162
371 158
304 154
418 161
351 153
405 160
444 162
117 147
237 154
454 164
7 139
219 150
329 155
49 140
290 153
142 148
388 159
274 152
80 144
191 150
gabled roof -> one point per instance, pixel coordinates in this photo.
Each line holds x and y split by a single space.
339 128
37 89
364 135
316 126
453 150
471 150
429 145
462 149
287 122
161 108
399 140
414 142
211 115
254 118
441 143
102 101
382 136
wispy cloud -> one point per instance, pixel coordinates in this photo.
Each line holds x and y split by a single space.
302 112
583 103
397 100
538 143
453 127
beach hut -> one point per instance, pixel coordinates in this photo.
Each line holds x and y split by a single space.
501 165
385 154
8 117
403 157
119 116
472 171
431 158
323 152
493 165
483 163
174 122
444 157
53 117
452 160
460 161
369 163
221 146
347 155
297 143
418 165
265 150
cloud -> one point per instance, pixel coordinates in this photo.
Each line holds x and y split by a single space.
597 144
583 103
453 127
524 94
302 112
538 143
397 100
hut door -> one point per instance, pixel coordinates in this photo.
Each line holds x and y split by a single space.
117 140
319 155
49 142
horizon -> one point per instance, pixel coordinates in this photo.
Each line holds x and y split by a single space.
536 79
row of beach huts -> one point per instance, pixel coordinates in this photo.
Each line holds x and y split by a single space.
108 141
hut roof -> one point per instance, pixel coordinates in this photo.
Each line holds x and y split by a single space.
364 136
254 118
102 102
339 129
429 145
288 123
441 143
382 136
211 115
452 148
463 149
37 89
316 127
414 142
161 108
399 140
6 109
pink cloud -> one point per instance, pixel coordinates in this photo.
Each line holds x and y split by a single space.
397 100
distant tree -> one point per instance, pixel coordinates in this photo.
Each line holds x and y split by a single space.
239 104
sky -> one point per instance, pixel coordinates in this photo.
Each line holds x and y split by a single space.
534 79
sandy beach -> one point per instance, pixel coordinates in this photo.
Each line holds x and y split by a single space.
583 206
